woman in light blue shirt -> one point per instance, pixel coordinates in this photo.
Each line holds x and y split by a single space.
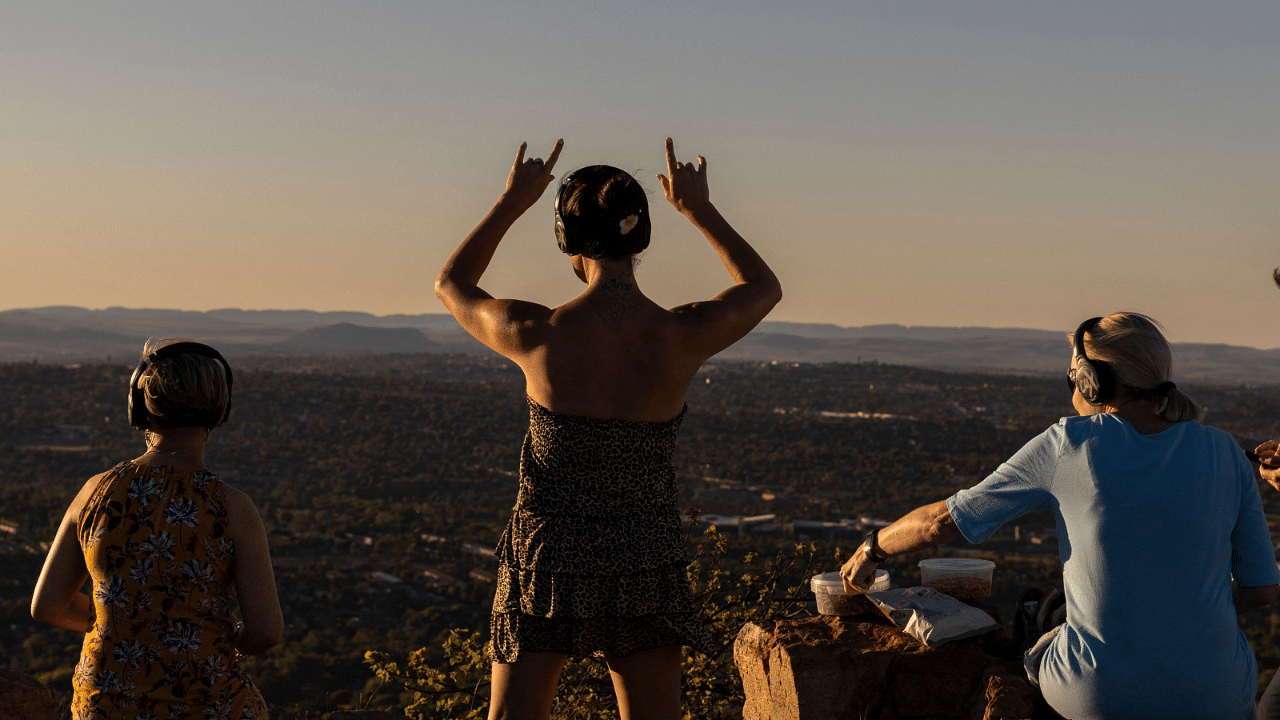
1160 528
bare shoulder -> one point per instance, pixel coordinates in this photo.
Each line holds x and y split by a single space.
86 492
238 502
706 327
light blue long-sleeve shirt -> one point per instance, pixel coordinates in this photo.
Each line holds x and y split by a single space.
1151 530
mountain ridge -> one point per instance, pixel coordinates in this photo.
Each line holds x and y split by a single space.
71 334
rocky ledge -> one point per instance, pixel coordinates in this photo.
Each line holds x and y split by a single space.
864 668
22 696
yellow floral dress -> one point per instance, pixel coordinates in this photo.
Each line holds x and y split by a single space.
159 550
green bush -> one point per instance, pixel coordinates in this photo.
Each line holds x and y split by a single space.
730 595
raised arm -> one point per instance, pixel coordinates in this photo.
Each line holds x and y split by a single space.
723 320
495 322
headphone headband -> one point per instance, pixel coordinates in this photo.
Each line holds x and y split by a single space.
138 415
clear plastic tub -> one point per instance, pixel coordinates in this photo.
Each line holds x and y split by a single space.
833 600
965 579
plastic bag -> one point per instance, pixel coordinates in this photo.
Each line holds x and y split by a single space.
931 617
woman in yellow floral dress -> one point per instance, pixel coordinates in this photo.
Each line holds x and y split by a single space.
170 549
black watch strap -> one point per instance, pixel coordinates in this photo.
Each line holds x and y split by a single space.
872 547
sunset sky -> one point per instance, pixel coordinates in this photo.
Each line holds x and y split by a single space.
1014 163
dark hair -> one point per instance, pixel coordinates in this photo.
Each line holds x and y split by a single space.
602 212
1276 276
186 389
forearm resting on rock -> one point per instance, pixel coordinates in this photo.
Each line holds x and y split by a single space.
921 528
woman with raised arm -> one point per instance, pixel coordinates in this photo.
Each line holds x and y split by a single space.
593 558
171 550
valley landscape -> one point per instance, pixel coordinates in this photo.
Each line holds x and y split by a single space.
385 479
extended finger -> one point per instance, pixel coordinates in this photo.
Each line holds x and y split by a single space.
671 158
702 164
519 157
555 154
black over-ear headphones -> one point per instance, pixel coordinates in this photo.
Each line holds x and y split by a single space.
1093 378
563 236
138 415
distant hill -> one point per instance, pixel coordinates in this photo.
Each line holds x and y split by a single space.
348 337
71 334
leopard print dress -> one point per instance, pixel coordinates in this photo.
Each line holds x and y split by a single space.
593 559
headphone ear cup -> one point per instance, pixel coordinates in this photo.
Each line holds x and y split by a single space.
1095 380
560 235
138 415
1087 382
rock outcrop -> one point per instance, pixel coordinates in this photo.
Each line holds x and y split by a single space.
864 668
22 697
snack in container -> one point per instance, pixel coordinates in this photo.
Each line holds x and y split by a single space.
965 579
833 600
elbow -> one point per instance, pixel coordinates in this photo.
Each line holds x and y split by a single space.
775 294
443 285
40 612
942 529
260 640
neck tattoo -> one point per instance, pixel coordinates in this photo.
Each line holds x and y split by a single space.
616 284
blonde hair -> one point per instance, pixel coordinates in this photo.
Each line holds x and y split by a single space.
185 389
1139 356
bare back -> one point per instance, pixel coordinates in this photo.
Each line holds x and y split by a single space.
612 352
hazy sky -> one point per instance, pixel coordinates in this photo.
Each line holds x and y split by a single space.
933 162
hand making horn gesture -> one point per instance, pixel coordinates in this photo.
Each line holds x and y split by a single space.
685 184
530 178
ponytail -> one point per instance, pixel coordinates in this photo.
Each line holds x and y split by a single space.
1177 407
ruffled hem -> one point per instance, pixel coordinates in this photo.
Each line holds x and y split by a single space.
561 595
644 541
516 633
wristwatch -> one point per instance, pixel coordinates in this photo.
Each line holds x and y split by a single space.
871 547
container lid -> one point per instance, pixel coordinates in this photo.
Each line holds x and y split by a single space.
832 581
956 564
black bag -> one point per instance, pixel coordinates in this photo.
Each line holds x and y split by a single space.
1037 613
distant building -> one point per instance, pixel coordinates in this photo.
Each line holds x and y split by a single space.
9 526
806 529
385 577
484 576
740 523
435 577
481 550
72 430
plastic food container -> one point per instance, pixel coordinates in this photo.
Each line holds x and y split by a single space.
833 600
965 579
